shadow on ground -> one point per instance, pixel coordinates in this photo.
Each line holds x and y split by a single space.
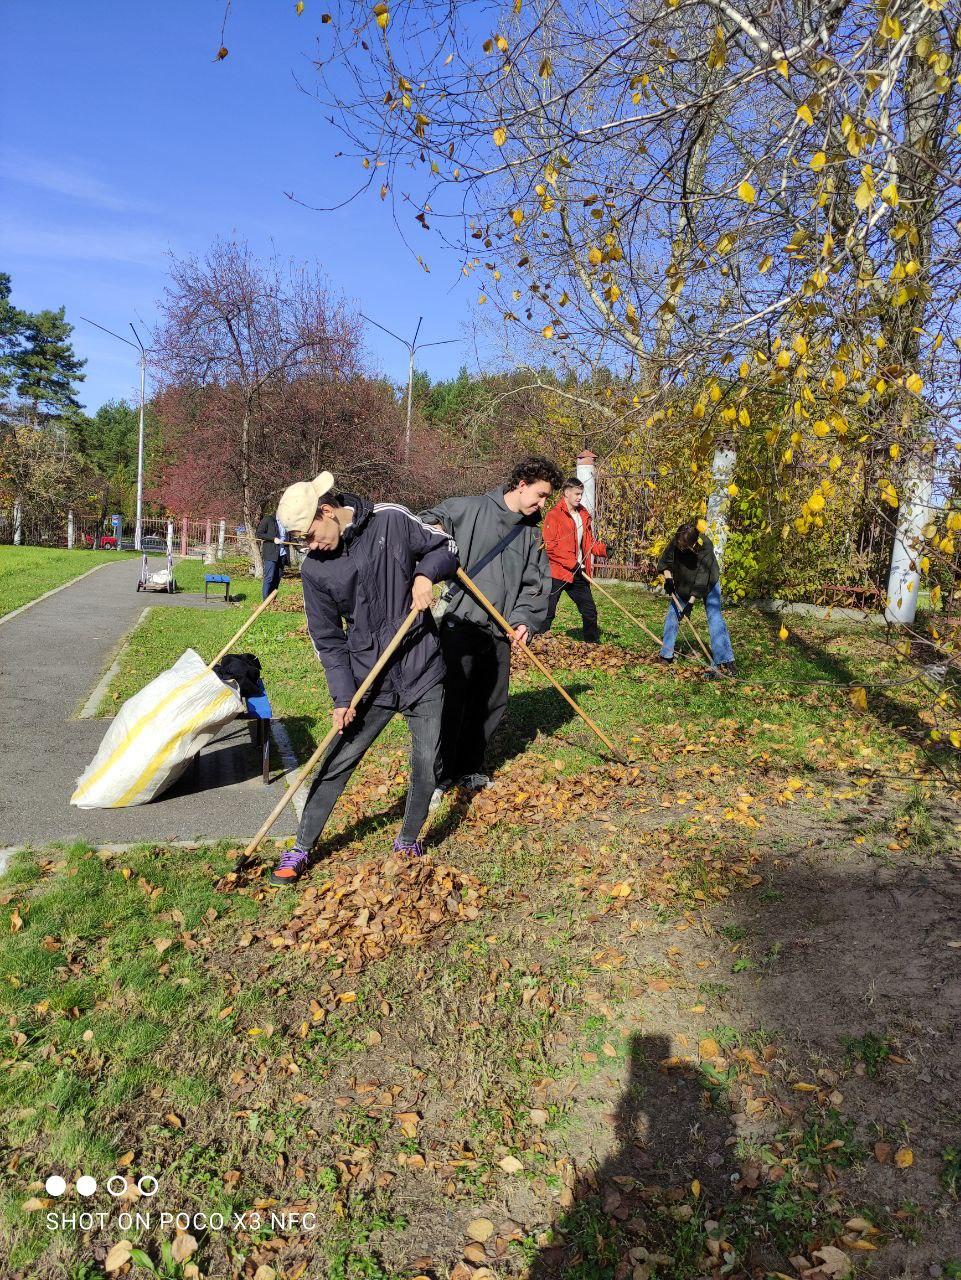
617 1216
852 976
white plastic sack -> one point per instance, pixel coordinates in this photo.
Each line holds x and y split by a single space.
155 734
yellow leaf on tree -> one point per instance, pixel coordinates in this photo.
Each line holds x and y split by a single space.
500 136
594 256
818 161
804 113
517 216
914 383
863 196
765 264
746 192
547 331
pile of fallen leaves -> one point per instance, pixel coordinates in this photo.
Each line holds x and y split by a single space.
574 655
534 789
362 914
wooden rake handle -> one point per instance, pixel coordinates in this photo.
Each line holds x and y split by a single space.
541 666
322 749
694 630
250 621
626 612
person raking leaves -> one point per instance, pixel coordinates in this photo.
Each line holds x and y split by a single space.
570 545
691 572
367 565
500 547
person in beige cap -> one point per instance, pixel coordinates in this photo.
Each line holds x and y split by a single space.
367 565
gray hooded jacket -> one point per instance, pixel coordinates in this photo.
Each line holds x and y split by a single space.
517 582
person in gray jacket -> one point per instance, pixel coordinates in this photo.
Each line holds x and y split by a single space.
500 547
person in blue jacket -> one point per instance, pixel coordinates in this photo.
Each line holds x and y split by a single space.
368 565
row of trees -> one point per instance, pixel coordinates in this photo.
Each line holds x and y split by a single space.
53 455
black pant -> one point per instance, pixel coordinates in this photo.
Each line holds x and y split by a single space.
580 592
475 696
273 572
423 720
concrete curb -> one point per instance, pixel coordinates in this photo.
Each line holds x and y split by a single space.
53 591
825 612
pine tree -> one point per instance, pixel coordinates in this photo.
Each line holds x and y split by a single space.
12 324
48 368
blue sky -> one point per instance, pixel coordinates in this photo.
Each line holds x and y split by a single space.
122 140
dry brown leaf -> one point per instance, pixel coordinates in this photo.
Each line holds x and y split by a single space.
882 1152
118 1255
183 1246
709 1048
511 1164
480 1229
834 1262
475 1253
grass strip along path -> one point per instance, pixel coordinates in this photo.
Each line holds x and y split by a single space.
26 573
696 1015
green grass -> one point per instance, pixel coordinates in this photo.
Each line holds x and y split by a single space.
784 716
29 572
106 1034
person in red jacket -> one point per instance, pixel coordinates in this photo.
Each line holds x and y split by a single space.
569 542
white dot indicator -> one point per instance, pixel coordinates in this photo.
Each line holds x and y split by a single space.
86 1185
55 1185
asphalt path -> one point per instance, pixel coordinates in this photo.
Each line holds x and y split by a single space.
52 657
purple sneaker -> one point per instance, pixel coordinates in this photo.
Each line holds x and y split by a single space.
292 865
418 848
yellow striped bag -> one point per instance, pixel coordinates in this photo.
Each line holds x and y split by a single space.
155 734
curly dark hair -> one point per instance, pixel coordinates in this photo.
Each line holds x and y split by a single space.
533 468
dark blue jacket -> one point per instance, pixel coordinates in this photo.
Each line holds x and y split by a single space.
366 584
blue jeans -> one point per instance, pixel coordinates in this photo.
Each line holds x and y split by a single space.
721 650
273 572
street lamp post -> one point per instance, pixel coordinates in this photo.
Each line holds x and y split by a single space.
412 349
138 525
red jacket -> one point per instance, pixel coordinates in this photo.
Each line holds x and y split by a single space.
560 542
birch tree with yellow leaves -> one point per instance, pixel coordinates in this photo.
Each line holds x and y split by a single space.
728 205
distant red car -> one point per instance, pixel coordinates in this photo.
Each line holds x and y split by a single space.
106 542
